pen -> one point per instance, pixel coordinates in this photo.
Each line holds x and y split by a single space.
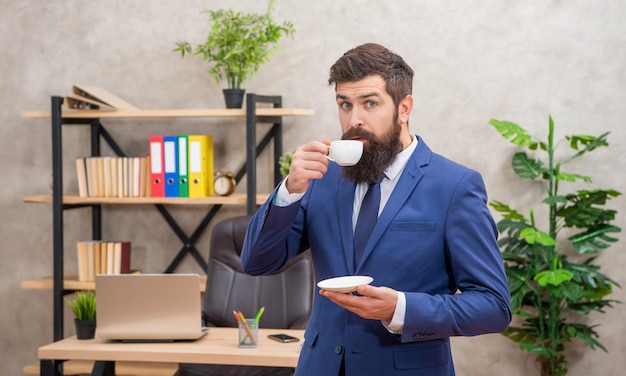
242 319
259 314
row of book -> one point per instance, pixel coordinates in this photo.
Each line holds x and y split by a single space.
181 166
113 176
102 257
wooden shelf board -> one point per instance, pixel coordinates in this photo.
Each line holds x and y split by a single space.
71 282
84 367
74 199
169 113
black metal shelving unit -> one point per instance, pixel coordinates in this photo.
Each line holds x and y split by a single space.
98 132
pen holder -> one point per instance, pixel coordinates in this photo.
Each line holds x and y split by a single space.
248 333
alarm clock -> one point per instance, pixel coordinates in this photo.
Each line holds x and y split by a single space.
224 184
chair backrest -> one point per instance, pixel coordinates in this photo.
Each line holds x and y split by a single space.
287 295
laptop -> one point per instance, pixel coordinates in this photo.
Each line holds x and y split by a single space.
149 307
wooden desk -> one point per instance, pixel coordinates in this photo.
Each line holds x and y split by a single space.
218 346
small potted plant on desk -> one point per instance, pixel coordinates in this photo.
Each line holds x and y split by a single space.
236 47
84 308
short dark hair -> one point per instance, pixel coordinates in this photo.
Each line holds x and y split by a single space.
370 59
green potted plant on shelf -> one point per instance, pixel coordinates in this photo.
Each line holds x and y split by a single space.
553 278
236 47
84 307
284 163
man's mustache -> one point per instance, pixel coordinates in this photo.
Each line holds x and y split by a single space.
358 133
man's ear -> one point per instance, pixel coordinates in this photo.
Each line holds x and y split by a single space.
404 109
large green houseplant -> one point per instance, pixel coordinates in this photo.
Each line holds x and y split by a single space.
553 277
237 45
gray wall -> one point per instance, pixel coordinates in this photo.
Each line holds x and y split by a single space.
474 60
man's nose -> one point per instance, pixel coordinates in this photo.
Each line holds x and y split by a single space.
355 118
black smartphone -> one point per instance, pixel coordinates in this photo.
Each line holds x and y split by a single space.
283 338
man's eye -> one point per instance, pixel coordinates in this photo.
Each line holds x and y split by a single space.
345 105
370 104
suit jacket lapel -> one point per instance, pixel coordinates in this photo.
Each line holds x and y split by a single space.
411 175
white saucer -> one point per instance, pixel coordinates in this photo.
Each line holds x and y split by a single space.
344 284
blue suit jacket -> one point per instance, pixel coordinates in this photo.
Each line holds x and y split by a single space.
435 240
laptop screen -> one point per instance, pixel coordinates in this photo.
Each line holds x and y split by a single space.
148 307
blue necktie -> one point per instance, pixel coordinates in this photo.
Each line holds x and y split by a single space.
368 215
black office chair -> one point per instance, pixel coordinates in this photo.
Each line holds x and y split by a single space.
287 295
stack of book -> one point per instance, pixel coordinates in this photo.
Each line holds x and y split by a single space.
85 97
102 257
113 176
181 166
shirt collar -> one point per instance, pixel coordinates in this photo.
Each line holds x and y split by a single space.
395 168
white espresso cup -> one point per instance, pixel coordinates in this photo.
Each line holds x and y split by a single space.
345 152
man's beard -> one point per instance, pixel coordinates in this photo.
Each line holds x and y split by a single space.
378 154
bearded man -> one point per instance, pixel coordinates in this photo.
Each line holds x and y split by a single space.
432 251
